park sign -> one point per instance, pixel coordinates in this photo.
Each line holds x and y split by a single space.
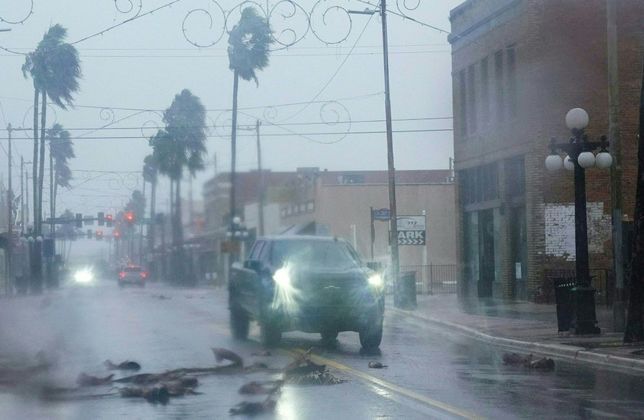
411 230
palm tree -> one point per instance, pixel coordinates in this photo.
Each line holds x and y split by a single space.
61 149
54 67
150 170
248 51
181 145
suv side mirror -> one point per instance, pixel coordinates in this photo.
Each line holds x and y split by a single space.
254 265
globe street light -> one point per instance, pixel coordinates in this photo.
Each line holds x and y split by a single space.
580 157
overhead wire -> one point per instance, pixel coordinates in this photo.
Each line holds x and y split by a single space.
337 71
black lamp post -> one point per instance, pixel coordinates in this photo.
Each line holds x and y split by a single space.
580 157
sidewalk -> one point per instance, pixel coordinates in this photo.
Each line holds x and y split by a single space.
529 328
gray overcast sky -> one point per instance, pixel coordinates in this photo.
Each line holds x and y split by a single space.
144 63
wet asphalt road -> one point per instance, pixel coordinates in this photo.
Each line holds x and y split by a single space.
430 374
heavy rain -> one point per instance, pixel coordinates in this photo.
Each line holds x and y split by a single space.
314 209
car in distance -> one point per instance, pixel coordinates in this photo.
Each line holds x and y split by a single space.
306 283
132 274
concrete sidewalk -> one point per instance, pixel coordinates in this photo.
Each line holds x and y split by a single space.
529 328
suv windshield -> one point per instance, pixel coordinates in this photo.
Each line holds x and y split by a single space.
314 254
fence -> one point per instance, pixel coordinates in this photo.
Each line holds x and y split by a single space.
434 279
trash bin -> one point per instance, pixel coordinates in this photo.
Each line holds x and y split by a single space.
564 297
405 293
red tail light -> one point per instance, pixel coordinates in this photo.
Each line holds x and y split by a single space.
122 274
144 274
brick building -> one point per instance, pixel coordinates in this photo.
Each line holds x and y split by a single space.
518 67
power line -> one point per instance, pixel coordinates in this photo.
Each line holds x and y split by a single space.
112 138
295 47
404 16
197 56
126 21
153 127
287 104
326 85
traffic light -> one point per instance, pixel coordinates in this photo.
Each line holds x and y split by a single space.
79 220
109 220
129 217
101 218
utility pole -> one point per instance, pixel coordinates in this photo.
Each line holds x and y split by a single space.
260 174
619 311
22 197
391 170
8 283
393 221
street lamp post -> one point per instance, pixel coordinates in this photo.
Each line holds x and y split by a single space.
580 157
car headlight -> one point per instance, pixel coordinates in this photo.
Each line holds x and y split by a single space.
376 280
84 276
282 277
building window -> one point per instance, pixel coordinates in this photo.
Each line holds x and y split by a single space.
512 81
471 98
499 88
515 177
463 103
479 184
485 92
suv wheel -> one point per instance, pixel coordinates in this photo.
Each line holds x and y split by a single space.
271 334
239 323
328 337
371 334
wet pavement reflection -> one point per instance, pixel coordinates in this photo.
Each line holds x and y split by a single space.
430 373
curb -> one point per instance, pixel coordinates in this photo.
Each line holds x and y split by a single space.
558 351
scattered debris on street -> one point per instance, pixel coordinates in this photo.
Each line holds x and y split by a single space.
528 361
254 408
376 365
259 388
126 365
89 380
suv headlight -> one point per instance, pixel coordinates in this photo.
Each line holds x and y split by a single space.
282 277
376 280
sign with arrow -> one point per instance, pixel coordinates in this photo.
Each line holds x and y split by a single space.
411 230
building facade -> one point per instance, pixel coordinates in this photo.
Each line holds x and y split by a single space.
311 201
518 67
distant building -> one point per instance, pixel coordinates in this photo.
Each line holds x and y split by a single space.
518 67
310 201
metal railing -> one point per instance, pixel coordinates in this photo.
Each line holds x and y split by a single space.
434 279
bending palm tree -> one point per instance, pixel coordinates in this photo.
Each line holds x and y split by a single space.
61 149
181 145
248 51
54 67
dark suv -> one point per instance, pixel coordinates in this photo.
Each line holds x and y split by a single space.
306 283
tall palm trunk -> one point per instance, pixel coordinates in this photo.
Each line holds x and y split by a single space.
34 163
151 226
233 149
178 226
52 196
635 320
41 175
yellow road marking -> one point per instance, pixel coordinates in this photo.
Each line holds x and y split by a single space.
388 385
